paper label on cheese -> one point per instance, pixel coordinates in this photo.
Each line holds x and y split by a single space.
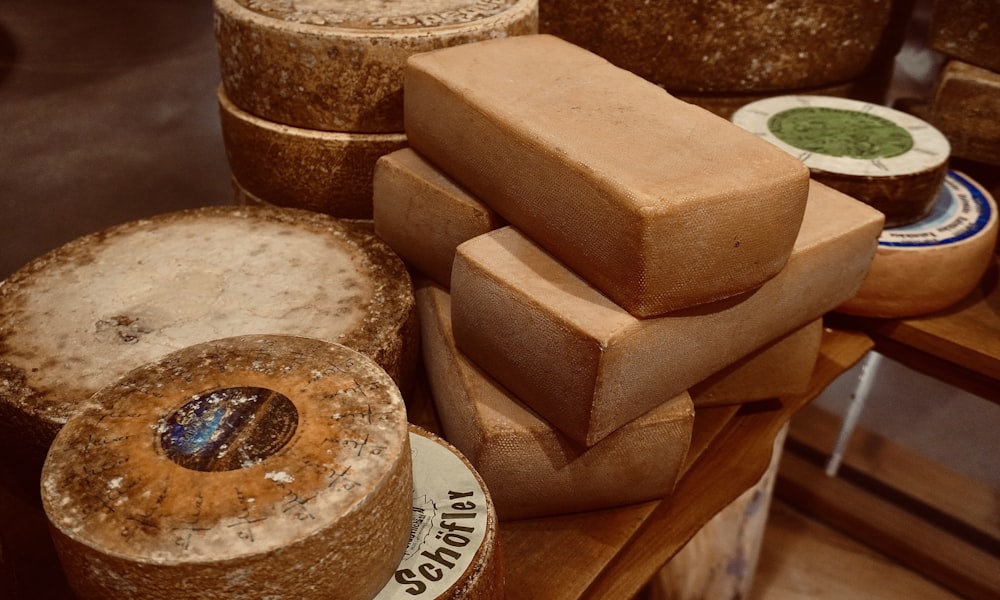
380 14
450 512
961 211
841 135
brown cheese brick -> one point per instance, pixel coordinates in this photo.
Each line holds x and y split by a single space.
84 314
966 108
782 368
337 65
968 30
532 469
656 202
423 215
588 366
734 45
255 466
321 171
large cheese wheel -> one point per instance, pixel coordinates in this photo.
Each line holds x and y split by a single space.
656 202
887 158
256 466
424 215
588 366
733 45
84 314
454 552
968 30
532 469
322 171
966 108
932 264
337 65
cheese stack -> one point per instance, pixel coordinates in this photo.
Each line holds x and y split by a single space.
721 54
256 466
311 93
522 160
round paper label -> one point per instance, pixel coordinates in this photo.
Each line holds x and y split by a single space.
962 211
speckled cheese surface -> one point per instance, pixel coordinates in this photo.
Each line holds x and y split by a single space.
532 469
576 152
588 366
75 319
966 108
337 65
254 466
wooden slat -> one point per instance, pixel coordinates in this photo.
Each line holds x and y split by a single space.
923 547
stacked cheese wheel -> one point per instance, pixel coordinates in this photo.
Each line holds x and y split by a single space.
723 53
931 264
256 466
311 93
652 245
889 159
79 317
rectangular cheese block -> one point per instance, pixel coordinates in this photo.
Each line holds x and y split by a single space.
782 368
656 202
423 215
588 366
966 108
530 468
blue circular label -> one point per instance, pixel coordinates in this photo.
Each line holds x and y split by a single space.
961 211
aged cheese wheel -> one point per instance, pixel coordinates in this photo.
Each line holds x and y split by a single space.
968 30
782 368
588 366
886 158
454 551
576 152
532 469
733 45
423 215
254 466
932 264
337 65
322 171
84 314
966 108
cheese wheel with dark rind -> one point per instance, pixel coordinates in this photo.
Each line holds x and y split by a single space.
322 171
889 159
256 466
337 65
934 263
968 30
966 108
78 317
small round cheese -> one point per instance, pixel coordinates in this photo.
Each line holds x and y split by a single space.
322 171
337 65
255 466
454 550
74 320
886 158
934 263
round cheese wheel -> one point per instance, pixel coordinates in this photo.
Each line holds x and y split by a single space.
337 65
932 264
454 549
255 466
322 171
77 318
886 158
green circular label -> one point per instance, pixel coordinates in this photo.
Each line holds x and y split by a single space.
839 132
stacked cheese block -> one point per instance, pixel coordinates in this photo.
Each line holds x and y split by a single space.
721 54
311 93
651 246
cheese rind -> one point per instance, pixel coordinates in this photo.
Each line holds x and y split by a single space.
965 107
654 201
337 65
968 30
321 171
78 317
532 469
423 215
588 366
889 159
934 263
325 508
